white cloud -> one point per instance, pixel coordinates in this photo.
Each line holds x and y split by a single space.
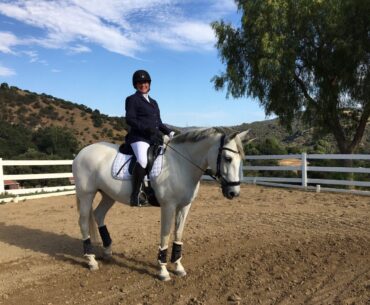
195 33
55 71
122 27
7 41
79 49
65 22
33 55
4 71
225 5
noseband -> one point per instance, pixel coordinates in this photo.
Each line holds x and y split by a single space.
218 176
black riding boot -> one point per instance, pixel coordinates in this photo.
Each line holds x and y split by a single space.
137 180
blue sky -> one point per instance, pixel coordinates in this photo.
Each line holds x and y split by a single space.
85 51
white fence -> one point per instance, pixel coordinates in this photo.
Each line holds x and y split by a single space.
39 192
303 181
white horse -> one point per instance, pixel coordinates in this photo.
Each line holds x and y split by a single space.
186 158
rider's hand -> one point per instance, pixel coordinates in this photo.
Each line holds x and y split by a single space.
171 135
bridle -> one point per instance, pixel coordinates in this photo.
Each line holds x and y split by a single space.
218 176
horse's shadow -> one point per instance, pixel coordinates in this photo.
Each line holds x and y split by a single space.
65 248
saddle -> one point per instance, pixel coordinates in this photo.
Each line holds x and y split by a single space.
147 193
153 152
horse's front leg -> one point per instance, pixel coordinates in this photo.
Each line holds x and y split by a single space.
176 256
167 213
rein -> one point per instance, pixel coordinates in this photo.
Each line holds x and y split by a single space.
187 159
218 177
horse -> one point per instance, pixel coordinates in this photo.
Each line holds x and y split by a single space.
185 160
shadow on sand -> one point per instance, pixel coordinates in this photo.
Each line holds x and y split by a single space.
67 249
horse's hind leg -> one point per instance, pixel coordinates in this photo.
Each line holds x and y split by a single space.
100 212
176 256
87 224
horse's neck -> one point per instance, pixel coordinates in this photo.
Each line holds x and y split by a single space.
197 153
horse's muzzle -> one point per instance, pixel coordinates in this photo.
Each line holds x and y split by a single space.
230 192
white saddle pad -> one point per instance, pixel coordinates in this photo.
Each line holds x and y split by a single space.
122 173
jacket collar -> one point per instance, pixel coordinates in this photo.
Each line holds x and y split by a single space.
138 93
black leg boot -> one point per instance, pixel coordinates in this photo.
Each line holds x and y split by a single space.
137 180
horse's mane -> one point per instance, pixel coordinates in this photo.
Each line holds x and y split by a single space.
199 134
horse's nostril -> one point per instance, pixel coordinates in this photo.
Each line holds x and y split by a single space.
232 194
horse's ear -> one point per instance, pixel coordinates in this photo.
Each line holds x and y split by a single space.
232 136
244 136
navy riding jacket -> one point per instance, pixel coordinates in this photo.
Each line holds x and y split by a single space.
141 115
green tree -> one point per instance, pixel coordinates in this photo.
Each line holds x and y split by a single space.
56 141
4 86
97 118
14 140
271 146
306 59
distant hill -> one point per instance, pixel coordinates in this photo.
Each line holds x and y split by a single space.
301 137
34 111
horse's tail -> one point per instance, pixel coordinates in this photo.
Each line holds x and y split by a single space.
93 228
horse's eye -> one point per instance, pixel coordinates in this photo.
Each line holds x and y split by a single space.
228 159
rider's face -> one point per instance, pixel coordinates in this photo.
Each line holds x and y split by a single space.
143 87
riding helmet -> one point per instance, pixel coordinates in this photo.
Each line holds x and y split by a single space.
140 76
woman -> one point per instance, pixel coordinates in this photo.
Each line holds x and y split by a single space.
143 116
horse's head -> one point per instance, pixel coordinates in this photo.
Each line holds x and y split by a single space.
227 164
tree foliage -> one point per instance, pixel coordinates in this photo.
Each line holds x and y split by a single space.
56 141
14 140
306 59
17 141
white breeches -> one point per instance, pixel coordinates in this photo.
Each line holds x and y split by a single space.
141 152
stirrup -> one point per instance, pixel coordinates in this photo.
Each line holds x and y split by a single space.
138 200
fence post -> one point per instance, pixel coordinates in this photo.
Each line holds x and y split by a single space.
241 171
2 188
304 170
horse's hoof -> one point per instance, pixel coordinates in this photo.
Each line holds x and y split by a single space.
108 258
107 253
91 262
93 267
164 278
180 273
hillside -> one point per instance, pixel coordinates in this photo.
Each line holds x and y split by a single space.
301 138
35 111
41 110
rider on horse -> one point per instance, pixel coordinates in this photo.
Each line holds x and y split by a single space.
143 116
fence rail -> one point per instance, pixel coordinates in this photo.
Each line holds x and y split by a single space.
303 181
38 191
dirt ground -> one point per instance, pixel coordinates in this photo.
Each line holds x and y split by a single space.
268 246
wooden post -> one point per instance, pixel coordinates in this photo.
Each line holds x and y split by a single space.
304 170
2 188
241 171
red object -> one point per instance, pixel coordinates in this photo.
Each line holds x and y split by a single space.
11 185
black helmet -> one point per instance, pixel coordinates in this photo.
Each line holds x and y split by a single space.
140 76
